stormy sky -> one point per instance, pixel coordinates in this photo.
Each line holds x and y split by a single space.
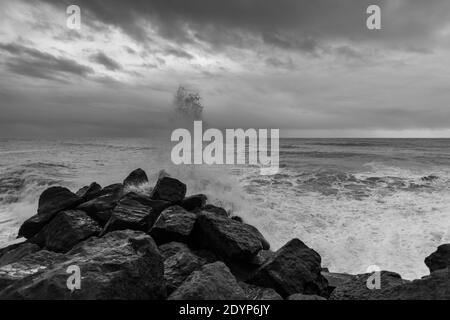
310 68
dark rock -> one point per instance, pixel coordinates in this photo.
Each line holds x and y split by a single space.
113 189
237 218
120 265
440 259
212 282
261 257
135 178
17 252
355 287
26 266
89 192
192 203
52 201
171 248
66 230
134 212
299 296
253 292
174 224
217 210
100 208
429 178
228 238
336 280
295 268
169 189
179 266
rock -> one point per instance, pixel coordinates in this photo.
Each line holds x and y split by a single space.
113 189
89 192
120 265
440 259
135 212
26 266
135 178
100 208
217 210
261 257
336 280
171 248
17 252
253 292
355 287
66 230
178 266
52 201
294 268
212 282
192 203
299 296
228 238
238 219
169 189
174 224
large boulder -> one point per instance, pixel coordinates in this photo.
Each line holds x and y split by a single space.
228 238
66 230
193 203
115 189
100 208
17 252
440 259
212 282
253 292
89 192
217 210
135 212
26 266
174 224
169 189
135 178
294 268
356 287
52 201
178 266
120 265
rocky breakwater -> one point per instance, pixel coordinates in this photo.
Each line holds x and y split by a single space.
129 244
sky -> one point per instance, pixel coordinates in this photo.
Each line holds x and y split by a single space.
308 68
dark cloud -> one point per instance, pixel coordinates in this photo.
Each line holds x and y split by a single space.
107 62
34 63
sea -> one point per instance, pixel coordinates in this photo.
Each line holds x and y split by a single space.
358 202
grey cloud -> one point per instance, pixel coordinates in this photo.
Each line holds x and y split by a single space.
179 53
107 62
34 63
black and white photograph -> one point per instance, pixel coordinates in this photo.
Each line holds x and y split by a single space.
253 152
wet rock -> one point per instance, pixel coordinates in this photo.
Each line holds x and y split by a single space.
135 212
294 268
66 230
336 280
228 238
100 208
356 287
299 296
120 265
169 189
89 192
253 292
17 252
115 189
261 257
217 210
171 248
135 178
212 282
174 224
193 203
238 219
28 265
178 266
440 259
52 201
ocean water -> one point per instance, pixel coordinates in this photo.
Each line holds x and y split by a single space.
358 202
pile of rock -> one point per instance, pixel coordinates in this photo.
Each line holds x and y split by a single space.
164 245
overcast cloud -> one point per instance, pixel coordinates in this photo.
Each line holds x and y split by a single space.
310 68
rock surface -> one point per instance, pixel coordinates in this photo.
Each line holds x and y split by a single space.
52 201
294 268
217 210
121 265
174 224
212 282
299 296
135 178
66 230
228 238
253 292
90 192
169 189
17 252
193 203
440 259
